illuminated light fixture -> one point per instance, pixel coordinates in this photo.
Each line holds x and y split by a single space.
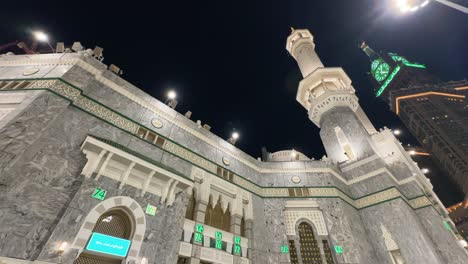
62 248
413 5
425 170
40 36
171 95
397 100
144 261
293 154
461 88
387 82
171 99
421 153
397 132
412 152
234 137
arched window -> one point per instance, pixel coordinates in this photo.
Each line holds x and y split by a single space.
190 212
344 143
114 223
310 251
216 218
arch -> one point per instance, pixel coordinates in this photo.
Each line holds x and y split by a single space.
216 217
124 204
191 204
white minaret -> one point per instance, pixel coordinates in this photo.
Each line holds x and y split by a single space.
322 87
301 46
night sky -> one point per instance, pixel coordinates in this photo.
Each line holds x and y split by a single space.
227 59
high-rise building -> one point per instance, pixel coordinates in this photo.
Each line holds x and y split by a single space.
435 112
93 170
459 215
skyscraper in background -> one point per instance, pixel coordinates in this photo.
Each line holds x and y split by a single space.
435 112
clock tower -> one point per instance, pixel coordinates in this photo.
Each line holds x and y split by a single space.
389 71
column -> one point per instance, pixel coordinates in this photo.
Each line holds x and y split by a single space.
249 234
199 211
104 165
236 224
124 177
322 252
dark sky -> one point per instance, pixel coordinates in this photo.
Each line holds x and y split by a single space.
227 59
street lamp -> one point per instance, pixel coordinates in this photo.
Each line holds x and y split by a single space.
171 99
425 170
171 95
234 137
406 6
42 37
397 132
412 152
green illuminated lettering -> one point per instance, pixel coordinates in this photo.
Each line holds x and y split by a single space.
151 210
199 228
99 194
338 250
219 235
198 237
284 249
237 249
219 244
447 225
237 240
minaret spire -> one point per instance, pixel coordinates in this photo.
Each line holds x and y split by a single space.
370 52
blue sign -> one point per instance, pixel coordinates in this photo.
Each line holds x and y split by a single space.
108 245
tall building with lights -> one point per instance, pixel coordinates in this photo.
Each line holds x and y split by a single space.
435 112
94 170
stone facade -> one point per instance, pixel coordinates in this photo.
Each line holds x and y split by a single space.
73 126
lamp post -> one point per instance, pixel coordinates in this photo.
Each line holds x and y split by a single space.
414 5
171 99
233 138
42 37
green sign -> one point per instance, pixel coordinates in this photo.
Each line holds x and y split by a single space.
219 235
338 250
237 240
237 249
99 194
199 228
219 244
447 225
198 237
108 245
284 249
151 210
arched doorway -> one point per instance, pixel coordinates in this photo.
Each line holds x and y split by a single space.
310 251
115 223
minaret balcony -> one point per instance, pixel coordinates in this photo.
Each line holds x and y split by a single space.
326 88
